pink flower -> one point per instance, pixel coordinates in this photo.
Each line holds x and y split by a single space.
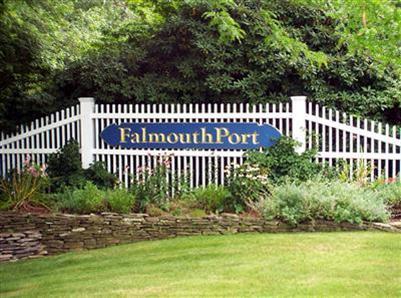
33 171
391 180
27 160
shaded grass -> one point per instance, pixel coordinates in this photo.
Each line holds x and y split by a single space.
305 264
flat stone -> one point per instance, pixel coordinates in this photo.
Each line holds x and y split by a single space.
78 230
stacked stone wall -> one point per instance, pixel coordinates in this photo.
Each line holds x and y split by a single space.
32 235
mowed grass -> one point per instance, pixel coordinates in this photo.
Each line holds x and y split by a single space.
307 264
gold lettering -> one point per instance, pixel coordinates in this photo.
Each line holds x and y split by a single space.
157 138
135 138
255 137
195 136
245 138
237 138
205 135
187 136
143 129
221 132
124 133
169 138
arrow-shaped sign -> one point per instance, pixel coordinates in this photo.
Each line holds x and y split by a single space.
190 135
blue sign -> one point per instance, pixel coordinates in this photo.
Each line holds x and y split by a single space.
190 135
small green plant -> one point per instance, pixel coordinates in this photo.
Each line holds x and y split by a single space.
211 198
22 190
120 200
81 200
360 174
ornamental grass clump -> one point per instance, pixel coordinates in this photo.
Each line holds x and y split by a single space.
329 200
211 198
120 200
88 199
22 190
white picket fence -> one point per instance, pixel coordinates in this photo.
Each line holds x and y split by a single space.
337 136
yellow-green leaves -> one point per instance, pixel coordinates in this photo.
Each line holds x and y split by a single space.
227 27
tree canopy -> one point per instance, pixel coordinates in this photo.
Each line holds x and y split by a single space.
342 53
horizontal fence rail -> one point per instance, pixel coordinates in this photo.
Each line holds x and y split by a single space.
338 138
39 139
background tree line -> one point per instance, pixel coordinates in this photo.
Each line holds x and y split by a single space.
345 54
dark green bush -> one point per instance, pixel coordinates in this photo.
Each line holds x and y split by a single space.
65 170
283 162
98 174
64 167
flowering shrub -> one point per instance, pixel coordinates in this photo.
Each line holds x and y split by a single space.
22 189
249 184
152 184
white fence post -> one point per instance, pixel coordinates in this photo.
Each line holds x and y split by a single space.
298 121
87 133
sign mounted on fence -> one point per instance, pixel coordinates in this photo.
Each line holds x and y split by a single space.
190 135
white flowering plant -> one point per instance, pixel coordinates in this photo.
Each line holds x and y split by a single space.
250 186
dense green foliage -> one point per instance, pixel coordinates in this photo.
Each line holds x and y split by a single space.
337 201
87 200
212 198
279 184
98 174
342 53
91 199
390 193
283 162
120 200
65 169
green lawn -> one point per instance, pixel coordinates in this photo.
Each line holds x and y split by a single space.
321 264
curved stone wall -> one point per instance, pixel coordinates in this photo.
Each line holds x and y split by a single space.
32 235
